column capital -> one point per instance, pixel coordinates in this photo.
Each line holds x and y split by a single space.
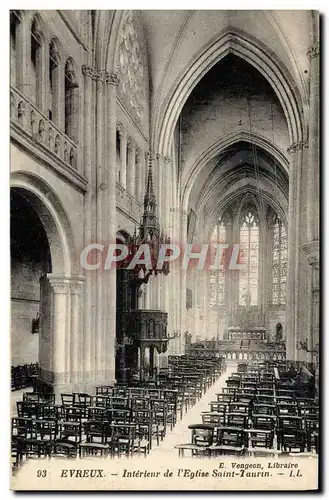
121 130
131 145
313 50
62 283
297 146
312 251
100 75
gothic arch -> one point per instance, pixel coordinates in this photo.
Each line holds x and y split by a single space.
224 142
53 218
250 50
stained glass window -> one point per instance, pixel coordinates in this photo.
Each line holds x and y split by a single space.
279 262
249 256
217 276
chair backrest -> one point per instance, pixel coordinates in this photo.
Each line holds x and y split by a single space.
94 430
46 430
105 390
69 431
236 419
96 412
67 399
119 415
202 435
74 413
82 399
213 418
230 436
22 427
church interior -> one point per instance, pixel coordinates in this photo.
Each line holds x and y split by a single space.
155 128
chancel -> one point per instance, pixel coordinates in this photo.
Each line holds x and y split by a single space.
145 129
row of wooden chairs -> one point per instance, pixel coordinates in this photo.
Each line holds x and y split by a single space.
244 419
22 376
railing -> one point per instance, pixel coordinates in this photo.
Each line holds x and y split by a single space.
42 130
127 202
231 350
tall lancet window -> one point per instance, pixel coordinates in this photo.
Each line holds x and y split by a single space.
217 276
279 264
249 256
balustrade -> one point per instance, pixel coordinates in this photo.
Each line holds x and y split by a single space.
40 129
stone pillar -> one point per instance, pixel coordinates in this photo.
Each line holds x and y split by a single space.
296 155
138 193
131 174
63 336
183 283
24 53
123 155
77 346
313 184
100 298
58 112
89 219
110 225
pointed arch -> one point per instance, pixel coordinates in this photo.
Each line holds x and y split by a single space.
252 51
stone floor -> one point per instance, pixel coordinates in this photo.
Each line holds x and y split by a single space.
181 433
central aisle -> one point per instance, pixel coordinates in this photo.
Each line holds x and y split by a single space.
181 433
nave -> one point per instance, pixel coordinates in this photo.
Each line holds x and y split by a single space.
199 407
114 421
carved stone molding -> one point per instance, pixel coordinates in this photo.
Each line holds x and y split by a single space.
167 159
64 284
312 252
131 145
313 50
297 146
100 75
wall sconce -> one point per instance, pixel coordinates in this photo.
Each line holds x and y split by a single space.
35 324
176 335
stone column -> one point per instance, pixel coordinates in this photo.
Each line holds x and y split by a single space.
131 176
138 183
24 53
314 145
111 80
60 370
295 151
89 219
183 282
123 155
58 112
77 346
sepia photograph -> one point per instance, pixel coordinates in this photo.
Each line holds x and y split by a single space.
164 250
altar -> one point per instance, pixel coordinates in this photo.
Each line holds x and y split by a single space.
251 333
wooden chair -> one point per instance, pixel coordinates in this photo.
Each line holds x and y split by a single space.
123 439
228 441
236 419
94 444
67 400
74 413
69 438
96 413
290 433
215 419
104 390
119 415
38 445
201 440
